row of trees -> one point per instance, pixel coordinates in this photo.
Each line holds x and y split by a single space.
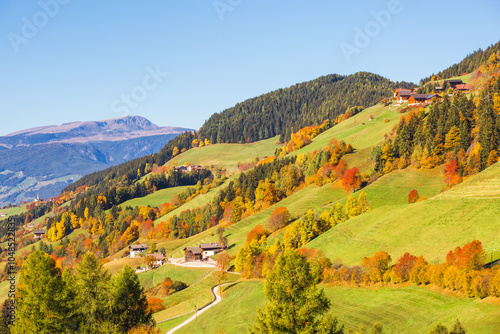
463 271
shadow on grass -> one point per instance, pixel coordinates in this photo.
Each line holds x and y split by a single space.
229 286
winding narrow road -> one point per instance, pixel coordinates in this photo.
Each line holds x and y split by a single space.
218 298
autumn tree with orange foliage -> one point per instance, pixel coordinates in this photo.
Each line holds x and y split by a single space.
470 257
340 169
279 219
404 266
257 233
452 176
155 305
351 180
376 265
166 286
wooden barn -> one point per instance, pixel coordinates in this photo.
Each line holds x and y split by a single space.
192 254
454 82
420 99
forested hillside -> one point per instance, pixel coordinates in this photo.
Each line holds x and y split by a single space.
285 111
468 64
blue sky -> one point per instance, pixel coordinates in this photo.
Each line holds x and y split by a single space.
178 62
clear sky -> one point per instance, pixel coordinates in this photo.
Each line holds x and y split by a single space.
178 62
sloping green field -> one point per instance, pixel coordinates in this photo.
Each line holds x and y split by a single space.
15 210
400 310
227 155
194 296
155 199
184 274
430 228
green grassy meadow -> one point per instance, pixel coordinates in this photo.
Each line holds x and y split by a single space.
15 210
155 199
194 296
227 155
407 309
187 275
430 228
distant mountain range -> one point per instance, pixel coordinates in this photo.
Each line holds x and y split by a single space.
43 160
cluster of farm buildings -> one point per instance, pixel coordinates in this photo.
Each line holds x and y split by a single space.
201 253
190 168
404 95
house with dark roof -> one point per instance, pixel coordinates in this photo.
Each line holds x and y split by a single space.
210 249
403 95
159 259
39 234
420 99
192 254
137 249
454 82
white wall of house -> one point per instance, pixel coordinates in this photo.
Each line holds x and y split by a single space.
208 254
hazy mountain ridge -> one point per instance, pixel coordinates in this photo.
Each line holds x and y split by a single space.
108 130
72 150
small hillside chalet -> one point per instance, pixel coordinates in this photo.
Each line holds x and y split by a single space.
39 234
192 254
454 82
137 249
420 99
210 249
462 88
159 259
402 95
203 252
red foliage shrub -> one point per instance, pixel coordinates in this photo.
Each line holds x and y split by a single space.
404 266
351 179
413 196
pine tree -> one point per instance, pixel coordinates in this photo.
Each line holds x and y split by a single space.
40 305
93 300
293 302
129 306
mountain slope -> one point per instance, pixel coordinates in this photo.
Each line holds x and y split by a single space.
284 111
41 161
